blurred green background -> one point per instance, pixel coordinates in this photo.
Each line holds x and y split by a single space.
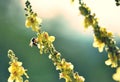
75 47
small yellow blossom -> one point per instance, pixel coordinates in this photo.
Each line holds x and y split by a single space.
65 65
112 60
50 56
105 33
40 42
98 44
33 21
51 39
116 76
44 40
78 78
65 76
16 69
110 34
102 29
26 81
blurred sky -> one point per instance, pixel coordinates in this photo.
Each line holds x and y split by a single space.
106 11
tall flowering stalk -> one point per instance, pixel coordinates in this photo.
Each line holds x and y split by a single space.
16 69
102 38
45 43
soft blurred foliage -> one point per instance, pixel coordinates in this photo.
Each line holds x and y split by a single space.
75 47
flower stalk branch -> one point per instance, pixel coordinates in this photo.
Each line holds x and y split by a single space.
102 38
16 69
45 44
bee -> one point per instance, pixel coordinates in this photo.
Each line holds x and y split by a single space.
34 42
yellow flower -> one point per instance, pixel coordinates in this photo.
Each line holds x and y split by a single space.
40 43
16 69
112 60
26 81
78 78
33 21
116 76
98 44
51 39
65 66
16 72
44 40
110 34
17 79
65 76
105 33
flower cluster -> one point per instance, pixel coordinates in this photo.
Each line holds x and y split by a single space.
89 20
33 22
45 43
112 60
66 69
98 43
31 18
116 76
100 40
16 69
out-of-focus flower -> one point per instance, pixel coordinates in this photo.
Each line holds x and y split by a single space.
116 76
65 76
105 33
84 10
71 1
78 78
112 60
